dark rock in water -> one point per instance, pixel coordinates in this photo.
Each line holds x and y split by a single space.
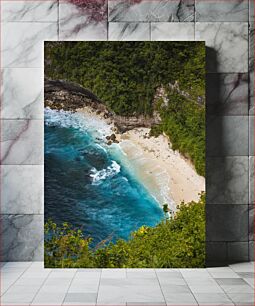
108 137
109 142
113 137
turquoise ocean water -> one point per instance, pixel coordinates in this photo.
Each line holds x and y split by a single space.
87 182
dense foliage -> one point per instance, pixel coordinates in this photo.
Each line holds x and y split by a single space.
125 75
183 120
176 242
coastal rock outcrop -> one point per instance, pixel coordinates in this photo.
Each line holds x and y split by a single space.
59 94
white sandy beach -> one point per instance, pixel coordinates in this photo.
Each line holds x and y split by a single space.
169 177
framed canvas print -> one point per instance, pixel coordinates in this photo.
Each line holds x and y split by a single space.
124 154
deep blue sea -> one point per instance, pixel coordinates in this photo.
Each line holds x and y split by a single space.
87 183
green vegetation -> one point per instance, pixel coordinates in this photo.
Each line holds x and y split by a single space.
177 242
126 75
183 121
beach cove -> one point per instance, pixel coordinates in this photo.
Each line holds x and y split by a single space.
166 174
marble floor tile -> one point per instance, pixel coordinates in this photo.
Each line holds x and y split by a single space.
22 10
16 265
84 285
243 267
242 299
230 176
230 281
195 274
88 273
129 31
153 10
175 288
227 45
144 294
156 303
227 94
44 298
114 273
180 299
79 23
227 135
62 274
22 93
23 43
172 31
19 294
251 180
222 272
213 299
22 189
234 10
22 237
141 273
22 142
81 298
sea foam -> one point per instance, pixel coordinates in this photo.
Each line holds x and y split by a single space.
109 172
81 121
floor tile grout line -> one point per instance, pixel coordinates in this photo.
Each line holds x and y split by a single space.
15 280
160 286
69 286
40 286
99 283
188 286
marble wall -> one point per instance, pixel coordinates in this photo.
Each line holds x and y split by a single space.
226 26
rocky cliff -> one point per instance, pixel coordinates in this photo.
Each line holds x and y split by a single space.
68 96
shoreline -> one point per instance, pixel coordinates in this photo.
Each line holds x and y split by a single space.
168 176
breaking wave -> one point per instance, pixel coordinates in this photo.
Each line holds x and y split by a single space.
103 174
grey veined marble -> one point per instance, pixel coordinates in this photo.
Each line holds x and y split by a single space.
170 31
22 142
22 189
251 135
251 222
227 45
22 43
251 181
227 180
22 93
129 31
227 93
251 10
23 10
251 68
75 24
227 135
213 10
22 237
152 10
227 223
